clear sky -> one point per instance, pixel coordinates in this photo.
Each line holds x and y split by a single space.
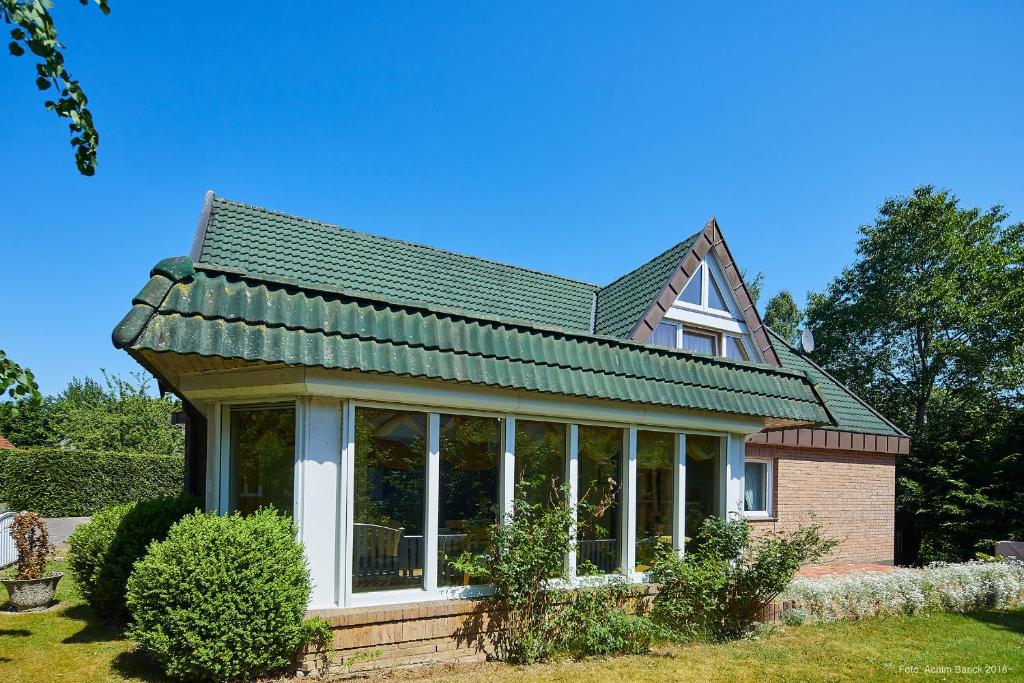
580 139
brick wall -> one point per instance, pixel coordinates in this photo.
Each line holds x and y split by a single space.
853 494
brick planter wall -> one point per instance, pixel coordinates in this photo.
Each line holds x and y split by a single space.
436 632
852 494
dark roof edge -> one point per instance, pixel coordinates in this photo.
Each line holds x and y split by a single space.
883 418
418 245
655 258
679 264
204 223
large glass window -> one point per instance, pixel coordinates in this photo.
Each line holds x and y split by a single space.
663 335
734 348
262 470
470 459
655 464
540 460
390 494
755 487
715 298
600 495
700 341
702 480
693 292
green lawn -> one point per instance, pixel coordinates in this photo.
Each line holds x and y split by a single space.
69 644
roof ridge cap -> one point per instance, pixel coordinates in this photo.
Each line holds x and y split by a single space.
419 245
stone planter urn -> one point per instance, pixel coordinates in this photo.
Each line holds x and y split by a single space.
28 595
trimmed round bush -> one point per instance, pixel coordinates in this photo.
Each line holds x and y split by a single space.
103 551
222 598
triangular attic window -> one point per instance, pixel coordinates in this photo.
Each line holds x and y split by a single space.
715 298
691 293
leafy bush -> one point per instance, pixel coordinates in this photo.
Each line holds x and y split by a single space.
104 550
603 620
32 541
58 483
936 588
223 597
715 592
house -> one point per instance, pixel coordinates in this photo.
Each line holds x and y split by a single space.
4 443
393 397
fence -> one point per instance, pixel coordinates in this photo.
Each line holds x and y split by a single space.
8 551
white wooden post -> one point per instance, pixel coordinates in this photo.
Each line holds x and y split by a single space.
628 502
318 476
348 492
734 491
508 467
572 480
433 490
679 495
213 473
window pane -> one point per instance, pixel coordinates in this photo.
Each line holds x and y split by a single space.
540 460
390 493
700 342
692 292
600 468
655 464
468 505
715 298
734 349
755 482
702 480
262 458
663 335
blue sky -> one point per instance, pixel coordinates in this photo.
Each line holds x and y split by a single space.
580 139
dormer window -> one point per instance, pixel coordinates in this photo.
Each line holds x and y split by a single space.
706 319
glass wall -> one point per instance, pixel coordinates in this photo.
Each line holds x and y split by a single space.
540 460
600 495
655 467
470 451
703 477
390 499
262 469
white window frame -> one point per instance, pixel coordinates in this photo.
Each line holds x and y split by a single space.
769 494
337 580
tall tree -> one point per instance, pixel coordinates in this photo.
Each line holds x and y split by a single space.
783 315
928 324
35 32
17 382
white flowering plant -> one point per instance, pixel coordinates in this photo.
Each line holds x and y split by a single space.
939 587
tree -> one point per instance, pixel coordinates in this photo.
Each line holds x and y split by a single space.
17 383
35 31
784 316
927 324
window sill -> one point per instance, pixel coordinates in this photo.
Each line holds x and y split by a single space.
759 517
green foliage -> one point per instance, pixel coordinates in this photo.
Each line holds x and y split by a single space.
602 621
222 598
784 316
17 382
103 551
118 415
34 30
716 590
58 483
754 283
928 326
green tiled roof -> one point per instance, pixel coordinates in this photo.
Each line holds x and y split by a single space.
850 412
623 303
275 245
209 312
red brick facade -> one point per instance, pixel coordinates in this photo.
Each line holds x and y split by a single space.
853 494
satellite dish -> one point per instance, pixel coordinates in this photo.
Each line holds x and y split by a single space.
807 341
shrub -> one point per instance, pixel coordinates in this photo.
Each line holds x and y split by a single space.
30 538
223 597
715 592
58 483
602 620
103 551
936 588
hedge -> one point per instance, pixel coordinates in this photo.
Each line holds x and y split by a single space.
58 483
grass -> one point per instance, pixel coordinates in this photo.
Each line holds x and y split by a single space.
70 644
